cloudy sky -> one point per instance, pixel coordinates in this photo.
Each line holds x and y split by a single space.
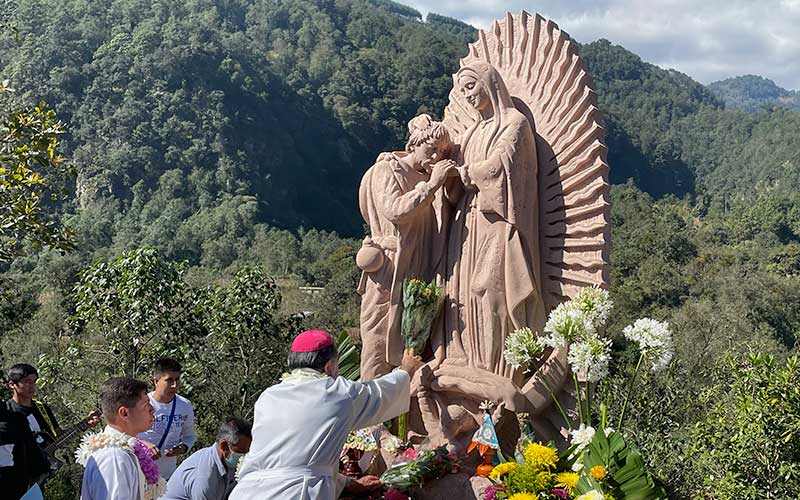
708 40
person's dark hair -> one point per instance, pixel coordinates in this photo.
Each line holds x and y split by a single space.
20 371
166 365
118 392
315 359
234 428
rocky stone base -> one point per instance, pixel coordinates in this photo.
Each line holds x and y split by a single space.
452 487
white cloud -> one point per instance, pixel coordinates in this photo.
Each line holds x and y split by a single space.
709 40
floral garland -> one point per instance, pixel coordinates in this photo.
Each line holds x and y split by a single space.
146 462
155 487
240 466
299 375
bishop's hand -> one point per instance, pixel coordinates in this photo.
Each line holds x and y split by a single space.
363 484
411 362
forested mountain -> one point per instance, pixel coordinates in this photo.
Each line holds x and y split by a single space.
753 93
271 110
218 115
234 133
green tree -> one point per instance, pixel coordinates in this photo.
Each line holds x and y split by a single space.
239 347
129 311
31 175
748 446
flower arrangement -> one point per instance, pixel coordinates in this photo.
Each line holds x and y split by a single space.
430 464
607 469
599 464
362 439
539 473
421 304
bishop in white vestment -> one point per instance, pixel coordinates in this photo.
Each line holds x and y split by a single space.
301 424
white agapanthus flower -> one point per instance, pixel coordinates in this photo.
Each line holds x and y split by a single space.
590 357
522 347
654 339
595 303
581 437
566 324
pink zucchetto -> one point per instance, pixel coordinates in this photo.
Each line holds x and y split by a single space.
312 340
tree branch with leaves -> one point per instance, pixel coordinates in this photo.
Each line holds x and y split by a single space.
31 179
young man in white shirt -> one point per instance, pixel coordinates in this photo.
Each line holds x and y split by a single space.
172 433
113 472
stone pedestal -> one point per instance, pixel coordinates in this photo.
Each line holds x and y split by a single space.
452 487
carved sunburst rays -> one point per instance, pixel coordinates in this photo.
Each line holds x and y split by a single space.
541 67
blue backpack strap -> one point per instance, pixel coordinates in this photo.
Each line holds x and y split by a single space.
169 422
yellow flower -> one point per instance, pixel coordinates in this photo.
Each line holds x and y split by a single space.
502 469
540 456
568 480
598 472
522 496
525 478
544 481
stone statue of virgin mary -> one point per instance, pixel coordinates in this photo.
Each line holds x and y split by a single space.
492 277
526 222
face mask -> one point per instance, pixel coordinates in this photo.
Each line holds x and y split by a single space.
233 460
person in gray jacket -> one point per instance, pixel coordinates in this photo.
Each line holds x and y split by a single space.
209 474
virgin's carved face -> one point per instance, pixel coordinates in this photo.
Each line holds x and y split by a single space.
473 92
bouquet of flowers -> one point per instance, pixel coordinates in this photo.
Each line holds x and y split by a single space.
427 465
601 468
361 441
599 464
421 304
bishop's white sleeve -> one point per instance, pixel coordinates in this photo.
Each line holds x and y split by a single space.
111 474
381 399
341 483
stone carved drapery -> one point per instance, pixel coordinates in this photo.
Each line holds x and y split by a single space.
492 273
398 199
568 239
526 224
